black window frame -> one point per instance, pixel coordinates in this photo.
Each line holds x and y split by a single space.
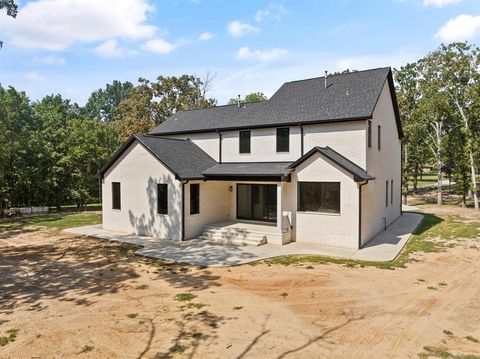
162 198
320 208
283 145
391 191
194 198
244 147
116 196
386 193
369 134
379 137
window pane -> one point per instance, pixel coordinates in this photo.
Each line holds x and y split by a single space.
194 198
386 193
319 197
391 191
369 134
283 139
116 200
162 192
245 141
379 138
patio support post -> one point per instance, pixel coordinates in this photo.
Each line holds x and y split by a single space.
279 206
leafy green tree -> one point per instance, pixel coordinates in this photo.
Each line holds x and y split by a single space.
11 8
55 114
102 103
251 97
151 103
455 72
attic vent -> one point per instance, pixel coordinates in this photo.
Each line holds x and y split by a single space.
326 79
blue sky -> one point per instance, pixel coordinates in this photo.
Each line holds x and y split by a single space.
73 47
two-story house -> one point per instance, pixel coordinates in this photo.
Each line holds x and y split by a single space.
319 162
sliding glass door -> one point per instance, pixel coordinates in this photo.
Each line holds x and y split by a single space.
257 202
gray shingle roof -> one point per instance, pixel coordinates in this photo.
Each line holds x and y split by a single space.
250 169
347 97
359 174
185 159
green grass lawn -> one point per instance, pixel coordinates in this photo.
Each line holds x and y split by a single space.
426 179
55 221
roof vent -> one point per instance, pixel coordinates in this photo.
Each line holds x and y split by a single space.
238 101
326 79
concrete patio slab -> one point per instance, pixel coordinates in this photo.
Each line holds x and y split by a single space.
384 247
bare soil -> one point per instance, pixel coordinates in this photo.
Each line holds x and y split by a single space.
72 297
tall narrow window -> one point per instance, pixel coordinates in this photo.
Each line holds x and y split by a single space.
379 138
283 139
162 198
194 198
386 193
391 191
244 141
116 199
369 134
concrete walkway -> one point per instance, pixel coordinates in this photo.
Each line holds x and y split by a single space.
384 247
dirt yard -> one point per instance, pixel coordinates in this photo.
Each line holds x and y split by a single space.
68 297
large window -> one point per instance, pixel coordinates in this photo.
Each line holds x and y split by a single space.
369 134
283 139
116 200
245 141
194 198
319 197
162 198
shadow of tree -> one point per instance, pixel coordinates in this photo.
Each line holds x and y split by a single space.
64 270
429 221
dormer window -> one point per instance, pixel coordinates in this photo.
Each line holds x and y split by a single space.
244 141
283 139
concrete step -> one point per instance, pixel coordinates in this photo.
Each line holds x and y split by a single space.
233 235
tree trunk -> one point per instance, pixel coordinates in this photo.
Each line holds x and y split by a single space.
474 179
473 171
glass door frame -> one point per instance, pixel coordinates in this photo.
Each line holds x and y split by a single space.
266 204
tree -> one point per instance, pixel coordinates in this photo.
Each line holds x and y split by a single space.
251 97
11 8
151 103
54 114
102 103
407 80
455 73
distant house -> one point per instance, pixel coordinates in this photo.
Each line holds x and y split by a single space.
319 162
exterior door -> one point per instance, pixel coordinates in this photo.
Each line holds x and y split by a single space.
257 202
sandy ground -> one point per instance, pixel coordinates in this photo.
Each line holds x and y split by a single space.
72 297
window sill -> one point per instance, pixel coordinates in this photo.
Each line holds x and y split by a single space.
162 214
116 210
320 213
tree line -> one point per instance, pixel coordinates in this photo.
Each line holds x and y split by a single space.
439 102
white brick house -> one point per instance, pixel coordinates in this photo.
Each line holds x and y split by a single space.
319 162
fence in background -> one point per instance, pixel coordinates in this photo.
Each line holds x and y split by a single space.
30 210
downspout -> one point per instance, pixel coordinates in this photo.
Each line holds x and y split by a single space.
360 213
220 139
301 141
183 210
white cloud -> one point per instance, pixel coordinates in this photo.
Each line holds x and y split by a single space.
205 36
461 28
266 55
110 49
238 29
34 76
277 11
440 3
56 24
159 46
50 60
